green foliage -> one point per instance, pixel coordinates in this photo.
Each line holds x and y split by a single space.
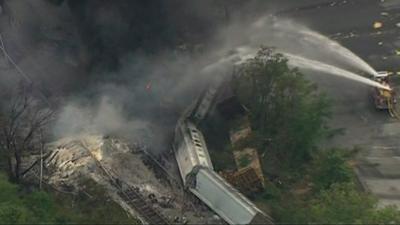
290 210
17 207
216 134
334 199
330 167
342 203
11 208
286 111
387 215
8 191
288 117
244 161
41 205
14 213
271 193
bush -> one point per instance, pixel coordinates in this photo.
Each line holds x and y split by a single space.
272 193
14 213
330 167
342 203
18 207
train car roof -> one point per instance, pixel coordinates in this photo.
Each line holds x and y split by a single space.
194 153
225 200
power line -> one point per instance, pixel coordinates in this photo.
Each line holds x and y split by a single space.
20 71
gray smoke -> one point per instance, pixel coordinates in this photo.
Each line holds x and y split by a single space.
105 117
129 68
139 100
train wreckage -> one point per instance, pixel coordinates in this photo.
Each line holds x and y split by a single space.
197 198
197 171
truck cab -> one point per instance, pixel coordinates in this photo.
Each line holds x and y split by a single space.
382 98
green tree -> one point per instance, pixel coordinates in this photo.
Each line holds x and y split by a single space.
387 215
287 113
330 167
342 203
23 121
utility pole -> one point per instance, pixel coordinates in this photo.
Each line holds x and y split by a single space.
41 158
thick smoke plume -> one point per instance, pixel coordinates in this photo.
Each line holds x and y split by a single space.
106 117
129 67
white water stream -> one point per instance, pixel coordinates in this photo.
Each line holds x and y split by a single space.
311 48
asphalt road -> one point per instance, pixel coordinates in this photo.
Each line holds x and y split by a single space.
350 22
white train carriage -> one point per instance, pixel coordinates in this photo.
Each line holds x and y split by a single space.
224 199
199 177
190 149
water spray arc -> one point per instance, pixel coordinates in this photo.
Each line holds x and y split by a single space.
287 36
333 46
243 53
305 49
301 62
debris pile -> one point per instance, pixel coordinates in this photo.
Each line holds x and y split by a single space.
125 171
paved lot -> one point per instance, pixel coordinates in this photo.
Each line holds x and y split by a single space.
351 23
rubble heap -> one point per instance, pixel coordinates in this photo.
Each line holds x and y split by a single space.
125 171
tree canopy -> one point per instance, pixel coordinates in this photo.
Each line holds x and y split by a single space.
343 203
288 116
335 199
287 113
330 167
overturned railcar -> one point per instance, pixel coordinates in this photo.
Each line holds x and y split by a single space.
190 149
200 179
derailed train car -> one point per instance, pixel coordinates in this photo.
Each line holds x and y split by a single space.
190 149
200 179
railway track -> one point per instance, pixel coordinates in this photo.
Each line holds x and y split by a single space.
131 195
136 201
128 193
